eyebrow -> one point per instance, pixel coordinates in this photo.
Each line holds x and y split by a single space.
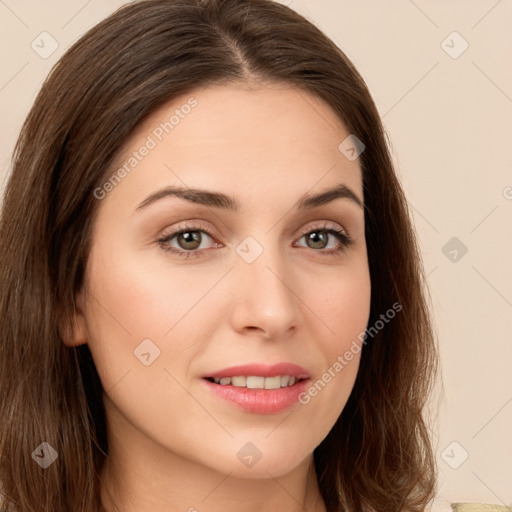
219 200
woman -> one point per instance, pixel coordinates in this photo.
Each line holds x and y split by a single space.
212 293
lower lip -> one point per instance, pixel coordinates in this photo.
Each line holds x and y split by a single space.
259 401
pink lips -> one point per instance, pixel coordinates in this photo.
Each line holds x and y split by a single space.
260 401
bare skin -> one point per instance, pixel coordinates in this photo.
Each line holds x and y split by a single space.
173 444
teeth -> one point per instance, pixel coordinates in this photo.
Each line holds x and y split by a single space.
254 382
272 382
239 382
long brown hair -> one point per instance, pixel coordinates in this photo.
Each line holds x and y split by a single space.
379 454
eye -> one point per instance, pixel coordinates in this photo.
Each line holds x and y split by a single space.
189 240
318 239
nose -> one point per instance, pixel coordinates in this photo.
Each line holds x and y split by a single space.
265 300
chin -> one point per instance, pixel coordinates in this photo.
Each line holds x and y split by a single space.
259 460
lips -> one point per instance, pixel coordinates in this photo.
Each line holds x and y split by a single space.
261 370
258 388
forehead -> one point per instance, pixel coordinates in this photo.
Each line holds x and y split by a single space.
246 138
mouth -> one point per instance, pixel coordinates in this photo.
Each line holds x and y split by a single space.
259 389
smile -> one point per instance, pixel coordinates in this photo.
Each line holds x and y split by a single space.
256 382
259 388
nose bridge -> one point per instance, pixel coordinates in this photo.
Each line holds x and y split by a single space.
266 300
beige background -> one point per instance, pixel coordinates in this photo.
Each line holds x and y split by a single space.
448 114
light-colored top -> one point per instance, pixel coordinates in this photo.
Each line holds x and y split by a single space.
441 504
479 507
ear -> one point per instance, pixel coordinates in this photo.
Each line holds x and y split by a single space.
74 332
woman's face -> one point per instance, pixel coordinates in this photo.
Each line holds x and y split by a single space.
260 279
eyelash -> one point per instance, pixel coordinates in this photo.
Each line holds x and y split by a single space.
344 238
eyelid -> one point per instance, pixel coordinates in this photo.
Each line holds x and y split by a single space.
188 225
325 225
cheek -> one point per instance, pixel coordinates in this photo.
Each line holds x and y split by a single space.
343 304
344 308
132 299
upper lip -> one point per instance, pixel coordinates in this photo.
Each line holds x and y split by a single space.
262 370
